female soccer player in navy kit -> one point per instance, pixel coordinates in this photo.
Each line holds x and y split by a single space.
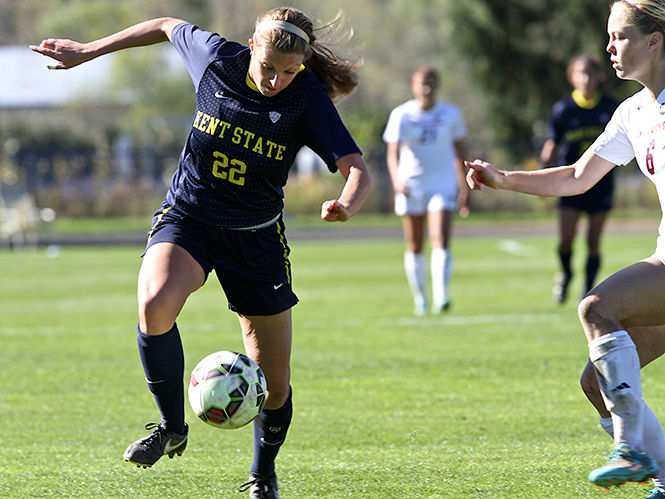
256 106
574 124
623 316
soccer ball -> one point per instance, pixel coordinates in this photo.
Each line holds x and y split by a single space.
227 389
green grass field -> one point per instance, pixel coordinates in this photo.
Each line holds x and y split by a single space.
481 402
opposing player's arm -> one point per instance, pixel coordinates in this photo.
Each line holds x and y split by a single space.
558 181
357 186
70 53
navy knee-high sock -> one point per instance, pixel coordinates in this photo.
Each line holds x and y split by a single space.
592 266
565 258
164 365
270 429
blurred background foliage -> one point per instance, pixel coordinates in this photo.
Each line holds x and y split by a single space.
501 61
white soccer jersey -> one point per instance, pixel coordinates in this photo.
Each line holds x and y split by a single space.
637 130
426 138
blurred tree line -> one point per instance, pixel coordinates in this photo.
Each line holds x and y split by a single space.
501 61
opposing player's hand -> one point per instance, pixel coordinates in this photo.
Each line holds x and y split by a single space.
334 211
482 173
67 53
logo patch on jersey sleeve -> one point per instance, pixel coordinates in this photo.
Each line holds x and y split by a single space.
274 116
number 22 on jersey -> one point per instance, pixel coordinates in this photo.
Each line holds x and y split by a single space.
235 174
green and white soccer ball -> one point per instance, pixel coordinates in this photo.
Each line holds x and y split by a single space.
227 389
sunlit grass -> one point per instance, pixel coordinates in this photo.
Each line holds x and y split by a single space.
482 402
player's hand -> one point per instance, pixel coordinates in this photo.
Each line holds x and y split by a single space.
67 53
334 211
482 173
401 188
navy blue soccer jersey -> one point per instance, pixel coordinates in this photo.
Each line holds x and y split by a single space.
242 144
575 128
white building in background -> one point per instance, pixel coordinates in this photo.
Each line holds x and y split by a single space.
28 84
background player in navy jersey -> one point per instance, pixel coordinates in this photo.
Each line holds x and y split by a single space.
256 106
574 124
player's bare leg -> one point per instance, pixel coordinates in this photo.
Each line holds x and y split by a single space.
267 340
634 296
568 220
168 275
594 233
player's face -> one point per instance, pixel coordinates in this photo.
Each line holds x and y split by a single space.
584 78
627 46
423 87
271 70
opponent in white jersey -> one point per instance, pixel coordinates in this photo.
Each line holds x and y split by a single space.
425 147
624 316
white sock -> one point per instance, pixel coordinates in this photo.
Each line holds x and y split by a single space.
654 441
618 371
414 265
606 424
447 269
441 262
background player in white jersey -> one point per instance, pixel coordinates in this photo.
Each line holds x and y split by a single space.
425 152
633 299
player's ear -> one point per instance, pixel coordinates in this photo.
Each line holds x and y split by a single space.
655 39
250 44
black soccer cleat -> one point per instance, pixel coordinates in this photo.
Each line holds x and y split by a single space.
261 487
147 451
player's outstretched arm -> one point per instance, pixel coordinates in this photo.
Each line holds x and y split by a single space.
69 53
558 181
357 186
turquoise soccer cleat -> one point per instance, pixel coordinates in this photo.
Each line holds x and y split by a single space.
625 465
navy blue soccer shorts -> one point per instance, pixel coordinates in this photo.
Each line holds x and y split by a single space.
598 198
251 265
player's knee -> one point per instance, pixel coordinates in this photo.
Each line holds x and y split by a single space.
157 311
278 393
566 244
590 310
